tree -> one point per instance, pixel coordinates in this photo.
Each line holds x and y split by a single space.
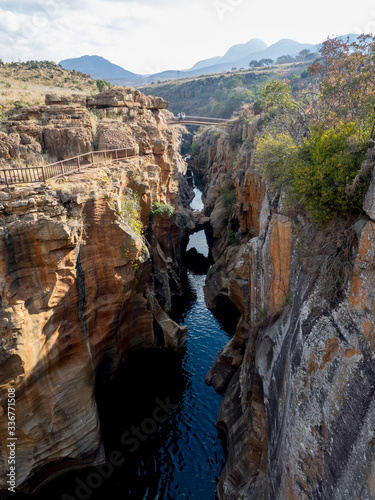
275 157
102 84
331 160
285 59
303 55
286 114
255 64
347 82
267 62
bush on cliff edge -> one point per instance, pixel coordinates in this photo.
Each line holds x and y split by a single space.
316 173
315 143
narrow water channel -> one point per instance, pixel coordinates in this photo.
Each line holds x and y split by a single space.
180 457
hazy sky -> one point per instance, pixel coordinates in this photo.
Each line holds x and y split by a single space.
147 36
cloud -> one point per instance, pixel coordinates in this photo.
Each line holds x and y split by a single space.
49 8
141 36
21 6
148 36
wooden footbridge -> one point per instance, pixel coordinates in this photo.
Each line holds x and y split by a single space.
199 120
62 168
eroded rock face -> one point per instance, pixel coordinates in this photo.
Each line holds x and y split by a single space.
78 288
62 130
18 146
299 374
76 284
120 97
68 126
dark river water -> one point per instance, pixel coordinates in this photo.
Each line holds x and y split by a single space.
158 416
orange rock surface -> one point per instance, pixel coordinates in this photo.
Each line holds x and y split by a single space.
76 287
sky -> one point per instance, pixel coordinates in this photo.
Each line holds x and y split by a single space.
149 36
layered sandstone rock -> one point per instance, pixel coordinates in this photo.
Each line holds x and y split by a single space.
79 289
120 97
298 376
68 126
61 130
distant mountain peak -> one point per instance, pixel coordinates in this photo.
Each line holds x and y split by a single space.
98 67
243 49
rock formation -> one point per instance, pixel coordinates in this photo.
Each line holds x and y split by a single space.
68 126
299 374
80 287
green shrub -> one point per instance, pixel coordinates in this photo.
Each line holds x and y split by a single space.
316 173
129 209
195 148
330 161
158 208
101 84
229 195
229 198
288 301
275 157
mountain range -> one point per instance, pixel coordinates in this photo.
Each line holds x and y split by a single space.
237 56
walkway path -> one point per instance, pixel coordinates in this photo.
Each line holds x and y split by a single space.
61 168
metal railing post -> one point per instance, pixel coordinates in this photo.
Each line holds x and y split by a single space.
44 175
62 170
79 164
92 158
6 179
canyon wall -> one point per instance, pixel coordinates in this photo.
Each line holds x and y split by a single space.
80 286
299 374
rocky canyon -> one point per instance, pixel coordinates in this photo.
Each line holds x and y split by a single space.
81 287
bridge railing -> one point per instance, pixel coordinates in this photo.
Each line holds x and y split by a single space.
199 120
207 119
61 168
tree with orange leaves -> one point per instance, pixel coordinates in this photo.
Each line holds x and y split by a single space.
347 83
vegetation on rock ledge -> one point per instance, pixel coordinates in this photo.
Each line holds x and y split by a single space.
315 144
158 208
129 209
